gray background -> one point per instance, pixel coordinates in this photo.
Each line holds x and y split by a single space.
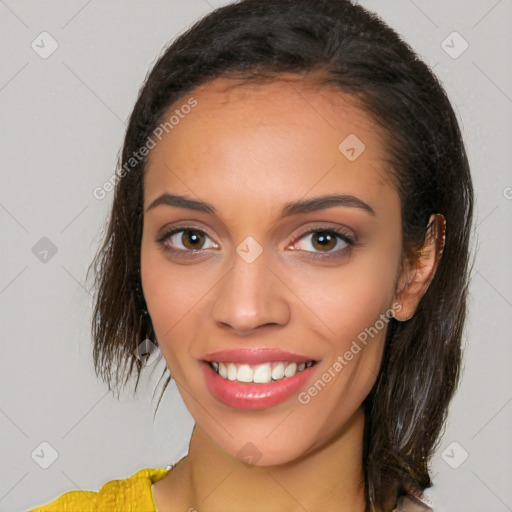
62 124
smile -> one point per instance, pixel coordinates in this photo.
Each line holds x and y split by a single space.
259 373
256 378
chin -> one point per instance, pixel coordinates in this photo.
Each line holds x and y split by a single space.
261 452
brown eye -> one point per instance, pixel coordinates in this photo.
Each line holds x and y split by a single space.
181 241
324 241
193 240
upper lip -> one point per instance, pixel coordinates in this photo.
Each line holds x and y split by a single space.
255 356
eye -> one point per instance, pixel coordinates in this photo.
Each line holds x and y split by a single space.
324 242
185 239
320 242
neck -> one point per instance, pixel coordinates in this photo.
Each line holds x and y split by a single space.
329 478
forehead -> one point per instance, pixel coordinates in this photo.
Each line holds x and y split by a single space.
292 101
267 137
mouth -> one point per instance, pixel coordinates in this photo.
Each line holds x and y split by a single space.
270 371
255 379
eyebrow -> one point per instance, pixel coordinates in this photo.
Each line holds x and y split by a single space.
292 208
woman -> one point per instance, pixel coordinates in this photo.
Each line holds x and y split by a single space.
290 227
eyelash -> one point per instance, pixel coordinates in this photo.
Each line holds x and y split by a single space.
163 239
338 233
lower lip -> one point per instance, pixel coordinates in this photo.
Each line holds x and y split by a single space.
253 396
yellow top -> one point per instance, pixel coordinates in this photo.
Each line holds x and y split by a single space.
134 494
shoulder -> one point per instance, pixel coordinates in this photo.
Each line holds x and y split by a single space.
125 495
410 503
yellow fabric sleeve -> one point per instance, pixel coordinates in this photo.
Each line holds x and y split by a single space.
132 494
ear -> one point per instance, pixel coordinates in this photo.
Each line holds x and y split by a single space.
418 272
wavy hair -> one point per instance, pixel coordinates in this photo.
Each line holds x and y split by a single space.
341 45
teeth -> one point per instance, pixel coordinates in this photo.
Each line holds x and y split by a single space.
232 374
278 371
244 374
261 373
290 370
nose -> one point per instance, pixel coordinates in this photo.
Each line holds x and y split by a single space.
250 296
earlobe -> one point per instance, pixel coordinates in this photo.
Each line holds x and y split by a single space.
418 272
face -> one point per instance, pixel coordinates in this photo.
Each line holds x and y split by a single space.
270 306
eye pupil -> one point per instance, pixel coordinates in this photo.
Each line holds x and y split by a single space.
189 238
325 239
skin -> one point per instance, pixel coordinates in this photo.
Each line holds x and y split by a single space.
248 150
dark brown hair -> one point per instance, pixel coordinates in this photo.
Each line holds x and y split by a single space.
352 50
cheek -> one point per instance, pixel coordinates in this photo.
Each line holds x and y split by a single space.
173 296
178 299
354 310
350 298
352 303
